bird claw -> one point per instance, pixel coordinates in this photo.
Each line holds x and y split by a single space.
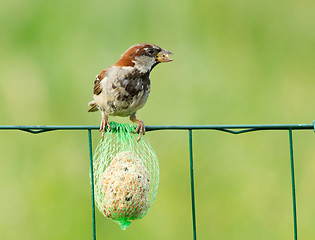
104 123
141 129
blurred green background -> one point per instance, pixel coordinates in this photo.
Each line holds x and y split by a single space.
236 62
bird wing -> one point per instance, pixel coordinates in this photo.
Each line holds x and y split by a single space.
93 106
97 90
97 83
97 87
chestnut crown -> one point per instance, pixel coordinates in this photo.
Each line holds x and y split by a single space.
143 56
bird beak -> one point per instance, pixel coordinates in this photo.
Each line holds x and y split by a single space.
163 56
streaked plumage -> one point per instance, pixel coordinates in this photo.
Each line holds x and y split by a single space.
122 89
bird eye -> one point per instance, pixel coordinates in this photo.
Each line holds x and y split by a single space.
150 51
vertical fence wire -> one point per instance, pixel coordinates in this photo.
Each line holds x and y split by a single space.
92 184
293 185
225 128
192 184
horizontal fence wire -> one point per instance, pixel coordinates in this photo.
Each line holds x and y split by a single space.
233 129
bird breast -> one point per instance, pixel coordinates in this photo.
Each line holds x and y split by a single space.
125 90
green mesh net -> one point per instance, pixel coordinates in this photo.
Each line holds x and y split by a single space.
126 175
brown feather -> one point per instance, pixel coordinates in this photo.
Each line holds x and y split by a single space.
97 83
125 61
102 75
97 87
93 106
128 57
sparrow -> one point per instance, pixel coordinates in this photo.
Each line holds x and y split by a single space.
123 89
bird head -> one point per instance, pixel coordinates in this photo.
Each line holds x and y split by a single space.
144 57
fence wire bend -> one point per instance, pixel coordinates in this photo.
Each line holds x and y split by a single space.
232 129
235 129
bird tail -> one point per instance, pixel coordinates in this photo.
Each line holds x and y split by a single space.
93 106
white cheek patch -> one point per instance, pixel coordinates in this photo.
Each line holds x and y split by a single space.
144 63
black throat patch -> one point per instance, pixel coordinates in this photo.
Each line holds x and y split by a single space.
135 82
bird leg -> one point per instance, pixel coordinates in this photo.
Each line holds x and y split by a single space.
140 126
104 123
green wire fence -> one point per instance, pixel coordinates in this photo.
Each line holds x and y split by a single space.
233 129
